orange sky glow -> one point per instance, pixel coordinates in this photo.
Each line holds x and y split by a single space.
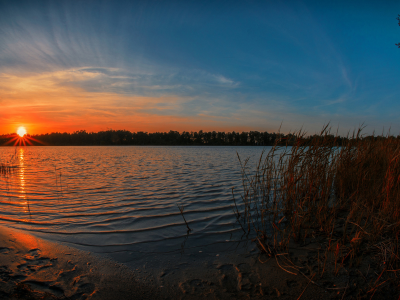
52 102
44 103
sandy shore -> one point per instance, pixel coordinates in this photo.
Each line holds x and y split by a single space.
33 268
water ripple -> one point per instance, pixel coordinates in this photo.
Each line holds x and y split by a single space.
120 196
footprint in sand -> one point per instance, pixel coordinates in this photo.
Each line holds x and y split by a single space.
71 284
34 264
228 279
7 275
247 279
85 289
197 287
240 278
78 287
74 283
32 254
4 250
45 287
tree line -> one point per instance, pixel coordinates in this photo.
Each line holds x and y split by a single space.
124 137
171 138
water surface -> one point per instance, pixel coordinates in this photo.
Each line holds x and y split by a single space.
122 201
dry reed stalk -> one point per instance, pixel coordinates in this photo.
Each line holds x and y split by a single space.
5 169
181 208
346 194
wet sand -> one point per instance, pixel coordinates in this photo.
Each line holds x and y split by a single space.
33 268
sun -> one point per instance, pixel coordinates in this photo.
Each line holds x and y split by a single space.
21 131
22 138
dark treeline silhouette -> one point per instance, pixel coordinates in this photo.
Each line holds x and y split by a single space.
124 137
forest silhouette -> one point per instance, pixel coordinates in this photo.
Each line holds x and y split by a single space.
171 138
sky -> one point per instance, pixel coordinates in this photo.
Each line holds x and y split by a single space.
199 65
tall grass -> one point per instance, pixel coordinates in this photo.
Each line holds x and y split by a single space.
345 198
5 169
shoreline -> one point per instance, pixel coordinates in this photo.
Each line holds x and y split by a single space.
34 268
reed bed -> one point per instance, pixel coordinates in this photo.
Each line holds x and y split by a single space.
341 200
5 169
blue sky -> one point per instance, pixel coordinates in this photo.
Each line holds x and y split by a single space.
191 65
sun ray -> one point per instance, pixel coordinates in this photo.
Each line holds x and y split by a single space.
12 140
25 140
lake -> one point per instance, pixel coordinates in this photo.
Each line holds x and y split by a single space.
122 201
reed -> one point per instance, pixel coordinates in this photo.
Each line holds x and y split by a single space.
8 167
343 198
5 169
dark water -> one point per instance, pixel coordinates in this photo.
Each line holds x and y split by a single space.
122 201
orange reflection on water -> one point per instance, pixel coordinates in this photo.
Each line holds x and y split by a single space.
22 190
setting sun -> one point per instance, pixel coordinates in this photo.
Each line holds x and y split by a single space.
21 131
22 138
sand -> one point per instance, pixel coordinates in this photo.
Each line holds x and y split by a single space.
34 268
